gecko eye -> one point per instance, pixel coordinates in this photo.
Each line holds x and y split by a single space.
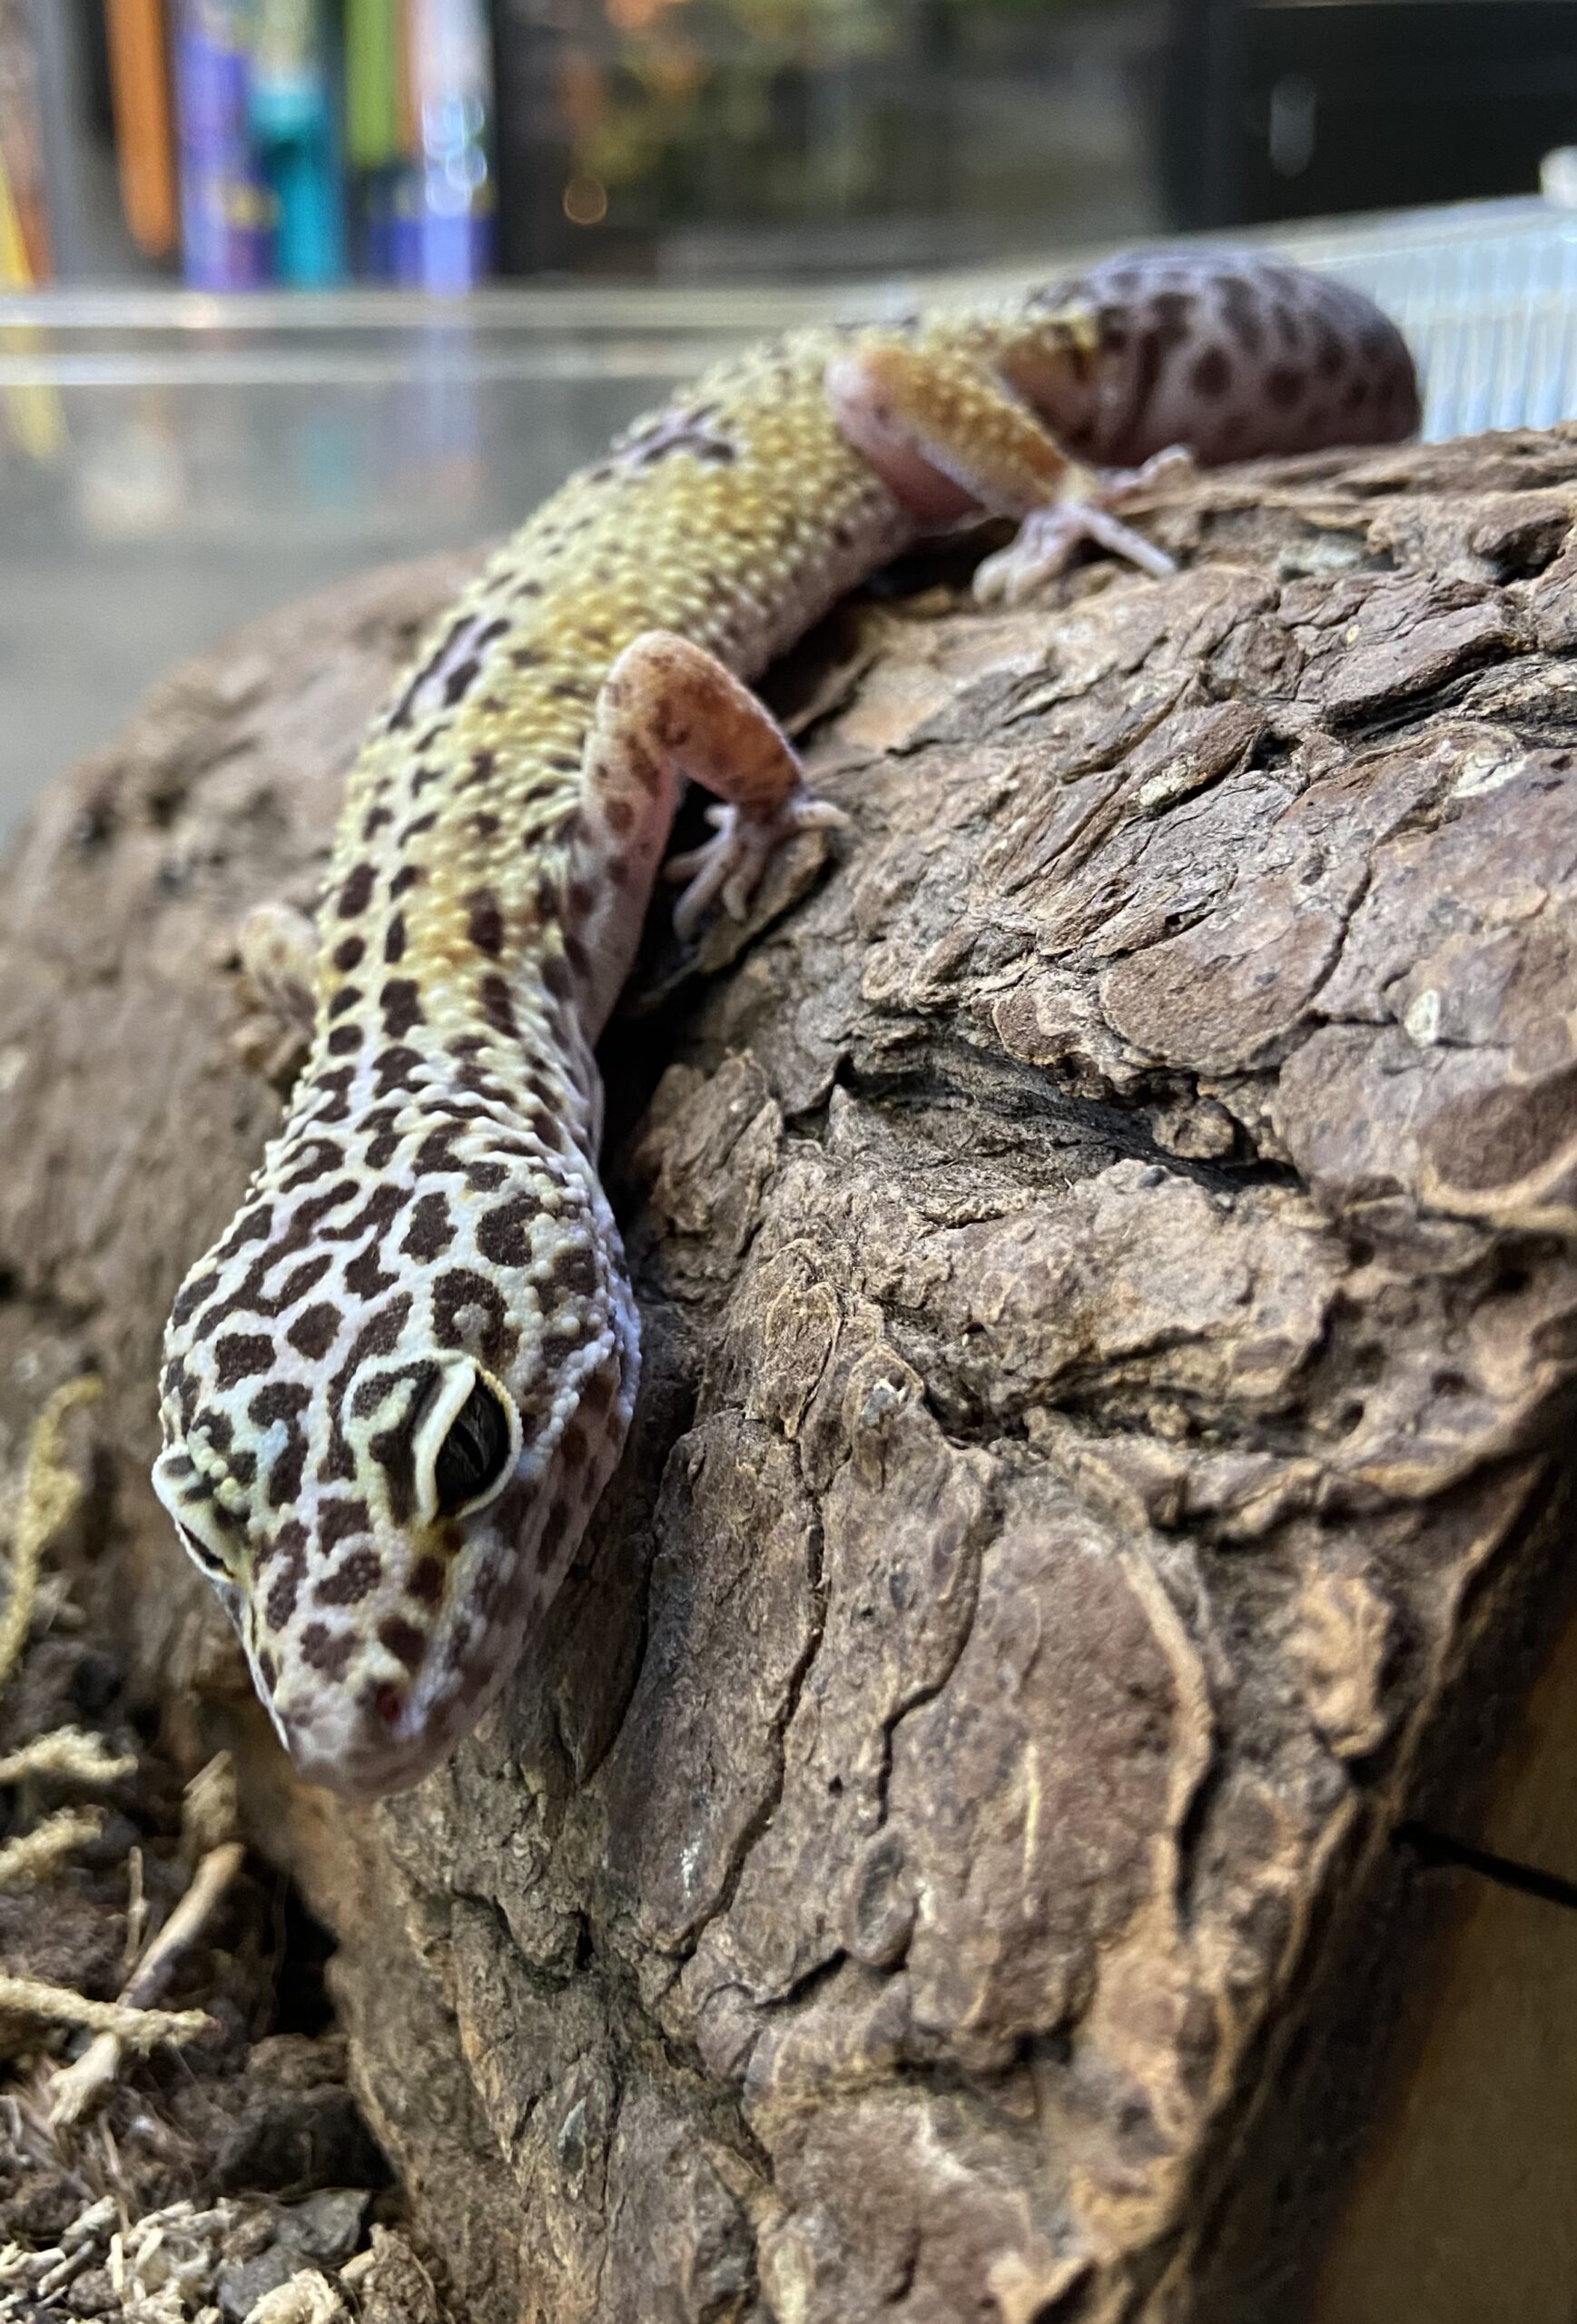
475 1453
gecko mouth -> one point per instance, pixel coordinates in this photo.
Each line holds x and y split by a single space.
366 1742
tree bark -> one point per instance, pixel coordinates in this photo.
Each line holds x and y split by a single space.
1103 1238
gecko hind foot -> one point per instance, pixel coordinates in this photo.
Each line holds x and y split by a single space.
1048 536
729 866
1045 546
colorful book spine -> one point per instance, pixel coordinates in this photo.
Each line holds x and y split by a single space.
376 128
445 222
295 128
225 205
144 143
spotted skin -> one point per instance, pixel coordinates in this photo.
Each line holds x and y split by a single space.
394 1390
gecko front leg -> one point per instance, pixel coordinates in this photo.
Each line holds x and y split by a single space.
279 952
927 418
668 709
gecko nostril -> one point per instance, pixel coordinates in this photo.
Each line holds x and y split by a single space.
389 1703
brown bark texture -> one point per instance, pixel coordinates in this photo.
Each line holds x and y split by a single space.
1103 1237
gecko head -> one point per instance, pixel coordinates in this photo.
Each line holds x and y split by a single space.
384 1430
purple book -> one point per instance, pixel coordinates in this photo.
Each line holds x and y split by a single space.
226 233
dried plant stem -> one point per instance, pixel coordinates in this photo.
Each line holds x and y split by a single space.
49 1494
35 1856
77 2086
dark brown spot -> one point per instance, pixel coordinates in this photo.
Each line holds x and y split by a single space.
345 998
1284 385
496 1006
644 768
1210 375
502 1235
319 1157
353 1579
191 1295
239 1356
397 1068
326 1650
312 1334
417 824
1329 357
408 876
394 940
485 824
284 1587
284 1402
431 1229
426 1582
468 1311
348 954
460 680
436 1155
485 922
365 1277
374 821
357 893
254 1226
404 1641
333 1089
1240 309
401 1005
345 1041
573 1271
339 1518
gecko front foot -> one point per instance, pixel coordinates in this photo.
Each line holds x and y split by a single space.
278 948
729 866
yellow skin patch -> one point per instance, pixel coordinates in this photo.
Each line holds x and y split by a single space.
394 1390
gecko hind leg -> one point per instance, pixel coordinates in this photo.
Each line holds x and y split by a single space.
946 434
669 709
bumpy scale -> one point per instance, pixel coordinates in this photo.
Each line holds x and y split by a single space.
393 1391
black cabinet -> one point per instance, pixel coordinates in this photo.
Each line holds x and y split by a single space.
1302 108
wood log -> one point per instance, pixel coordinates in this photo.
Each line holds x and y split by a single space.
966 1843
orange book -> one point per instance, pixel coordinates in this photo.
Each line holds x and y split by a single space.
145 141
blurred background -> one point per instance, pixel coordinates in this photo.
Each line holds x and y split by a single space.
287 285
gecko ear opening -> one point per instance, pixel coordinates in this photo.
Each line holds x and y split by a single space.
473 1441
211 1538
